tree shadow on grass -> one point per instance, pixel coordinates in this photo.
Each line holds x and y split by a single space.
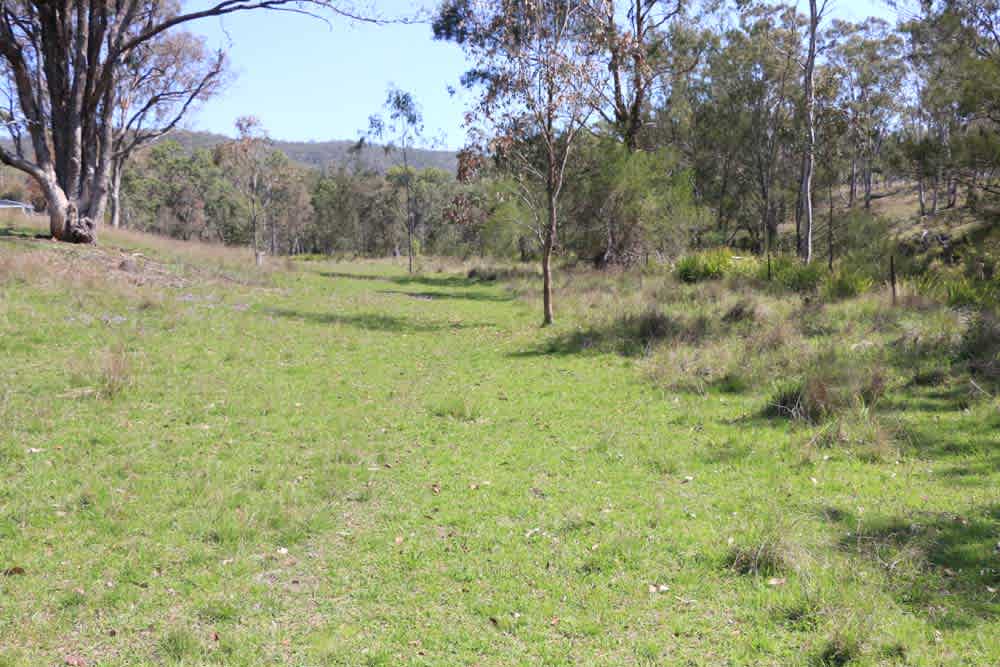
592 340
417 279
633 335
461 296
371 321
939 564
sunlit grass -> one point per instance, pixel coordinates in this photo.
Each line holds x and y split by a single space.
347 465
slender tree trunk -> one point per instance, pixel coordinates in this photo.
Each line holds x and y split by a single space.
853 191
409 210
829 229
868 185
920 197
409 247
720 215
934 194
547 247
806 249
798 209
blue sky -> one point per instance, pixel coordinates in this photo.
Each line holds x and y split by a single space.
310 81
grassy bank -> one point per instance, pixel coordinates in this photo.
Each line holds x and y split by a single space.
341 464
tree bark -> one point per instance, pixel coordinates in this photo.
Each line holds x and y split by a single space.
829 230
114 198
854 183
806 248
547 247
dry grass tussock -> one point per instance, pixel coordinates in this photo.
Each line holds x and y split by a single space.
768 550
88 270
154 259
106 375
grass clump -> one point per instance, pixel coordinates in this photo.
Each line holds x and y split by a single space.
483 275
790 273
980 347
840 649
833 383
179 645
743 310
861 432
765 552
651 326
457 408
845 283
116 371
707 265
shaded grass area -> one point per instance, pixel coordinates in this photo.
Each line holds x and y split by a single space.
322 471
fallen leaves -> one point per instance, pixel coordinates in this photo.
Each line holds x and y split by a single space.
17 570
776 581
74 661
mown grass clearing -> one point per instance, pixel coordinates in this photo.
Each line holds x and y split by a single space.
342 464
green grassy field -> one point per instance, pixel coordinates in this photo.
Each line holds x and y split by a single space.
341 464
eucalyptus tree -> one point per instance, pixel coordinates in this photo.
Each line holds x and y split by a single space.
59 62
870 56
535 71
633 40
816 12
745 141
400 131
642 45
155 88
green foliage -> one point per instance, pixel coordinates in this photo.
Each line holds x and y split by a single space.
705 265
624 204
959 290
791 273
183 195
845 283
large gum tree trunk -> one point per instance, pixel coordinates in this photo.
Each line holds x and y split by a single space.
65 221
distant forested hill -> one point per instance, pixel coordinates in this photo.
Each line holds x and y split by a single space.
321 154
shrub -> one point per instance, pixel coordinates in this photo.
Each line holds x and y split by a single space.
845 283
707 265
789 272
